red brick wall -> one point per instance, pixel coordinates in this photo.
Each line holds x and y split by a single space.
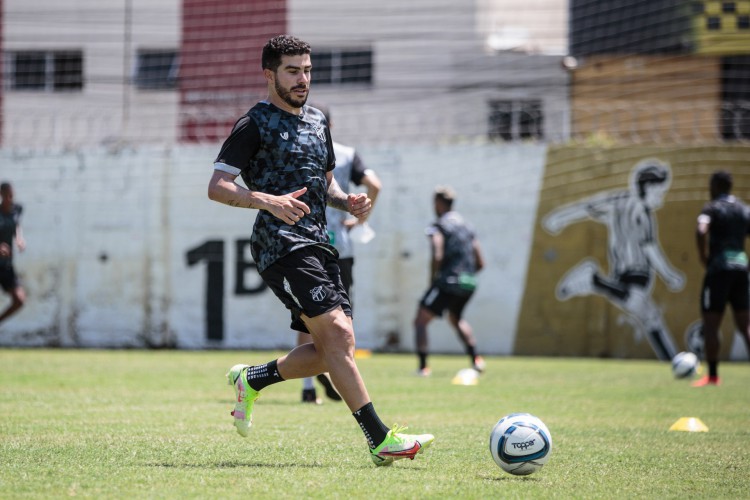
220 72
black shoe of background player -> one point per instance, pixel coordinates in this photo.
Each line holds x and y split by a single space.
331 392
309 396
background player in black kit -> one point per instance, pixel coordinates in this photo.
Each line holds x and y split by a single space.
456 258
10 233
722 227
350 170
284 153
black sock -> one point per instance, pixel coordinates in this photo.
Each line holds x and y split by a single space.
261 376
713 369
374 429
422 360
471 351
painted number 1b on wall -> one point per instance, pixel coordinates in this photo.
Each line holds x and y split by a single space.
212 253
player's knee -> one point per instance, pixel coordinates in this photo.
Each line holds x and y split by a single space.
341 337
454 319
422 319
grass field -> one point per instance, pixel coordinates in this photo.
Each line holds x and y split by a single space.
146 424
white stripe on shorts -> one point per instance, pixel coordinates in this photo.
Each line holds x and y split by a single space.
288 289
431 296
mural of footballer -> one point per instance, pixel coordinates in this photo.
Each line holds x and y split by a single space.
634 252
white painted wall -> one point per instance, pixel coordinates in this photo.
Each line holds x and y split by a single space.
108 233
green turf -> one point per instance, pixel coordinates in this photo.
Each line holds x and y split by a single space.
135 424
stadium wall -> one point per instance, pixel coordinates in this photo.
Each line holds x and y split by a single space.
126 250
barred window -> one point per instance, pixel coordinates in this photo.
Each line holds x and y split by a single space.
45 71
516 120
735 95
334 66
157 69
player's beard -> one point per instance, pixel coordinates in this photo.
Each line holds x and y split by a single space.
286 96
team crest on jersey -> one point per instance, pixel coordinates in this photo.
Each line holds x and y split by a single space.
318 293
320 132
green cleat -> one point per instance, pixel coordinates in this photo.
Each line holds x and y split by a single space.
246 396
396 446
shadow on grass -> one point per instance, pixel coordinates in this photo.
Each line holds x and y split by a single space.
502 477
291 402
234 465
263 465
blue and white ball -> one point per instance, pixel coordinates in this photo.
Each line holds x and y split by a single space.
685 364
520 443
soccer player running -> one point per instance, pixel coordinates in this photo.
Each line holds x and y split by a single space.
350 169
456 258
722 227
10 232
283 150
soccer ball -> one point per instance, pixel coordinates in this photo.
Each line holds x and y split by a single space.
520 443
684 364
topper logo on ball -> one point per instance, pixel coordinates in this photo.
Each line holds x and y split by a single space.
523 446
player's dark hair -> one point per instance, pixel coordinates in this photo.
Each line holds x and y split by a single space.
721 180
446 195
282 45
5 186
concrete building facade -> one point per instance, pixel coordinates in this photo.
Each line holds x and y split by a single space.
89 73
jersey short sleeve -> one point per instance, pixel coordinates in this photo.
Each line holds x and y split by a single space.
331 159
358 170
240 147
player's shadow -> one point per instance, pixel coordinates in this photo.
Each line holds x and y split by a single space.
234 464
503 477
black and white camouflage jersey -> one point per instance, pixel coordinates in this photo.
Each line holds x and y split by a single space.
276 152
729 225
459 265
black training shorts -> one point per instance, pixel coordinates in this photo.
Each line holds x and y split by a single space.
437 301
8 278
720 287
307 281
346 267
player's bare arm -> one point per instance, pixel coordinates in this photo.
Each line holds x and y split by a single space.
478 255
372 182
20 241
359 205
288 208
373 185
701 238
437 246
